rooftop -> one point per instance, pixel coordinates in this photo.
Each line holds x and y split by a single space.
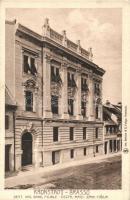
61 41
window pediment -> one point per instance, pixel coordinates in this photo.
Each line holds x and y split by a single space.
30 84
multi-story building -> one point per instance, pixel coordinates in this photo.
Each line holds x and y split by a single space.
58 90
10 108
112 128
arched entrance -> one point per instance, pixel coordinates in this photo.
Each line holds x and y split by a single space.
27 149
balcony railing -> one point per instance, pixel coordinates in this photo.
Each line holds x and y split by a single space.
69 44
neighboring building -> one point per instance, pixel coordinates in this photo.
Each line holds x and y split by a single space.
10 108
58 90
112 115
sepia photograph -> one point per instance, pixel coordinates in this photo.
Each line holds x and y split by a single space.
63 99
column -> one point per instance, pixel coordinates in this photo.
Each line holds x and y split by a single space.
77 107
91 114
64 92
46 85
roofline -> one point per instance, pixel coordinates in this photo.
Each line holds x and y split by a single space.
49 40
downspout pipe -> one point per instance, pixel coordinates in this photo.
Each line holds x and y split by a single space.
14 139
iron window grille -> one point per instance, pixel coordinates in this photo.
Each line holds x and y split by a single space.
84 133
96 133
71 133
29 100
55 134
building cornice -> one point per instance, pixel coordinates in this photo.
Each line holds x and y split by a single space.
81 57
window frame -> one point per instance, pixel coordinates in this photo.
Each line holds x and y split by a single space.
71 104
55 134
84 133
55 107
31 57
97 149
96 132
85 151
6 122
72 153
71 134
32 101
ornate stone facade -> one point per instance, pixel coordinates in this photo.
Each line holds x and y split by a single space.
58 89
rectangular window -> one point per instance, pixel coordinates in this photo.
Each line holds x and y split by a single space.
29 65
84 151
97 150
96 133
25 63
54 104
84 133
97 88
71 133
72 153
52 74
71 80
6 122
70 106
83 108
55 75
55 134
84 86
96 112
29 101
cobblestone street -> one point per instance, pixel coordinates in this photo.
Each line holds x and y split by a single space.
102 174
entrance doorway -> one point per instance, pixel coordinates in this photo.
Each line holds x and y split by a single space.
27 149
7 157
55 157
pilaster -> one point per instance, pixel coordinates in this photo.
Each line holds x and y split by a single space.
46 85
78 96
64 92
91 115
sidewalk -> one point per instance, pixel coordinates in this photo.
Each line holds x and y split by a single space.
35 176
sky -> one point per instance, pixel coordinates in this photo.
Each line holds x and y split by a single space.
99 28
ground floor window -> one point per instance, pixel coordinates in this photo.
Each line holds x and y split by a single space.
97 149
72 153
55 134
84 151
110 145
